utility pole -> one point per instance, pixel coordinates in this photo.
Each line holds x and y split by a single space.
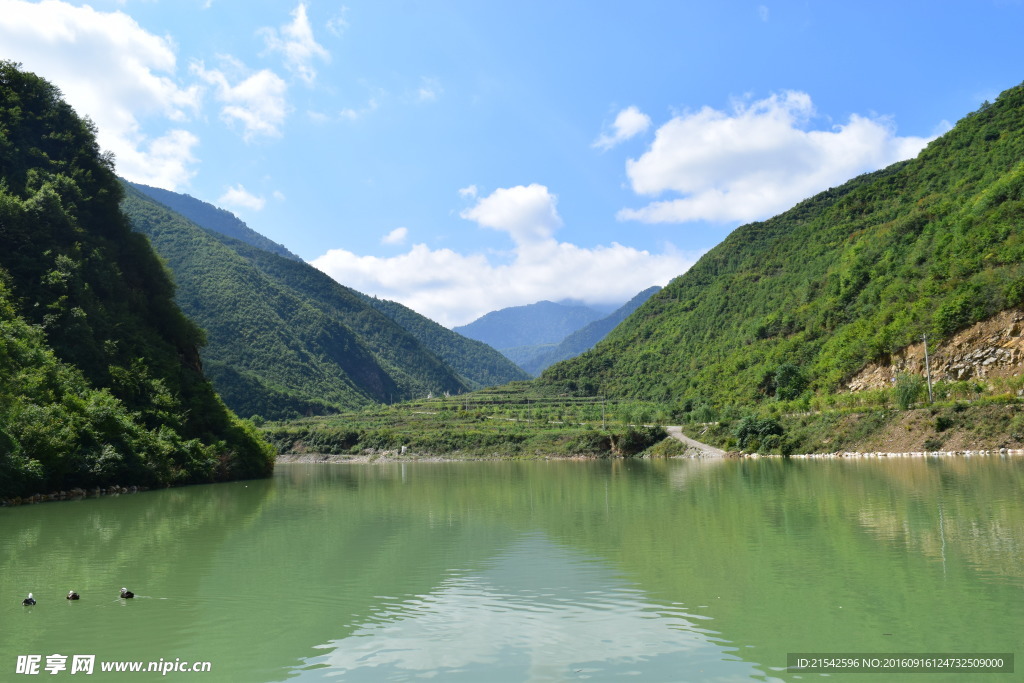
927 367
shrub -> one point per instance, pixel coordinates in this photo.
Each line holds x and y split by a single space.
751 431
907 390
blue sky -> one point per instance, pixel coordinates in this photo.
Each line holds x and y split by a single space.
464 156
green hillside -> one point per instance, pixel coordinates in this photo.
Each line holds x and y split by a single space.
586 337
478 364
100 378
799 303
284 339
212 218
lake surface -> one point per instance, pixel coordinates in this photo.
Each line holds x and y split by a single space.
527 571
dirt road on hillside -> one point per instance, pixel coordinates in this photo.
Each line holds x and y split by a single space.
705 451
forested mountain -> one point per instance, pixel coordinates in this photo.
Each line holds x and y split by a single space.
283 338
586 337
100 375
478 364
212 218
802 301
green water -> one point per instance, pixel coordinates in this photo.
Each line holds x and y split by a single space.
535 571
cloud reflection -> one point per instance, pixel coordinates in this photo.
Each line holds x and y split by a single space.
538 612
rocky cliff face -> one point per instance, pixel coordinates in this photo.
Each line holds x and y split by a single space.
990 349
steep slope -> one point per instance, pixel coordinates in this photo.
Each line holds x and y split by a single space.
284 339
212 218
123 398
478 364
544 322
804 300
586 337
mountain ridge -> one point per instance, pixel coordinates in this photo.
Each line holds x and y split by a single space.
586 337
539 323
212 217
799 303
306 344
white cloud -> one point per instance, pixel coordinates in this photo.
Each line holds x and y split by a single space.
629 123
69 45
296 42
165 161
468 192
238 196
396 236
256 101
762 12
454 288
527 213
430 89
757 160
560 611
339 22
355 114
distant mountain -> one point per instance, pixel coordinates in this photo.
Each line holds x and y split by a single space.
477 363
212 218
544 322
285 339
584 338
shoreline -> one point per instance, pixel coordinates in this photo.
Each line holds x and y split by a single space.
72 494
854 455
394 456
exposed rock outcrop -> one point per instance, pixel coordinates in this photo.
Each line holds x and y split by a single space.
989 349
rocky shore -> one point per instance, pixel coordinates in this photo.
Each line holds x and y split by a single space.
72 494
1002 453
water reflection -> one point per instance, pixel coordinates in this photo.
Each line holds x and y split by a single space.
518 571
538 612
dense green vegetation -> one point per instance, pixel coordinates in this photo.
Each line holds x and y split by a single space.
478 364
791 307
510 421
586 337
284 339
100 377
212 218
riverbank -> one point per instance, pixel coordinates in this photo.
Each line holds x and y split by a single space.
842 455
395 456
1002 453
949 428
72 494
